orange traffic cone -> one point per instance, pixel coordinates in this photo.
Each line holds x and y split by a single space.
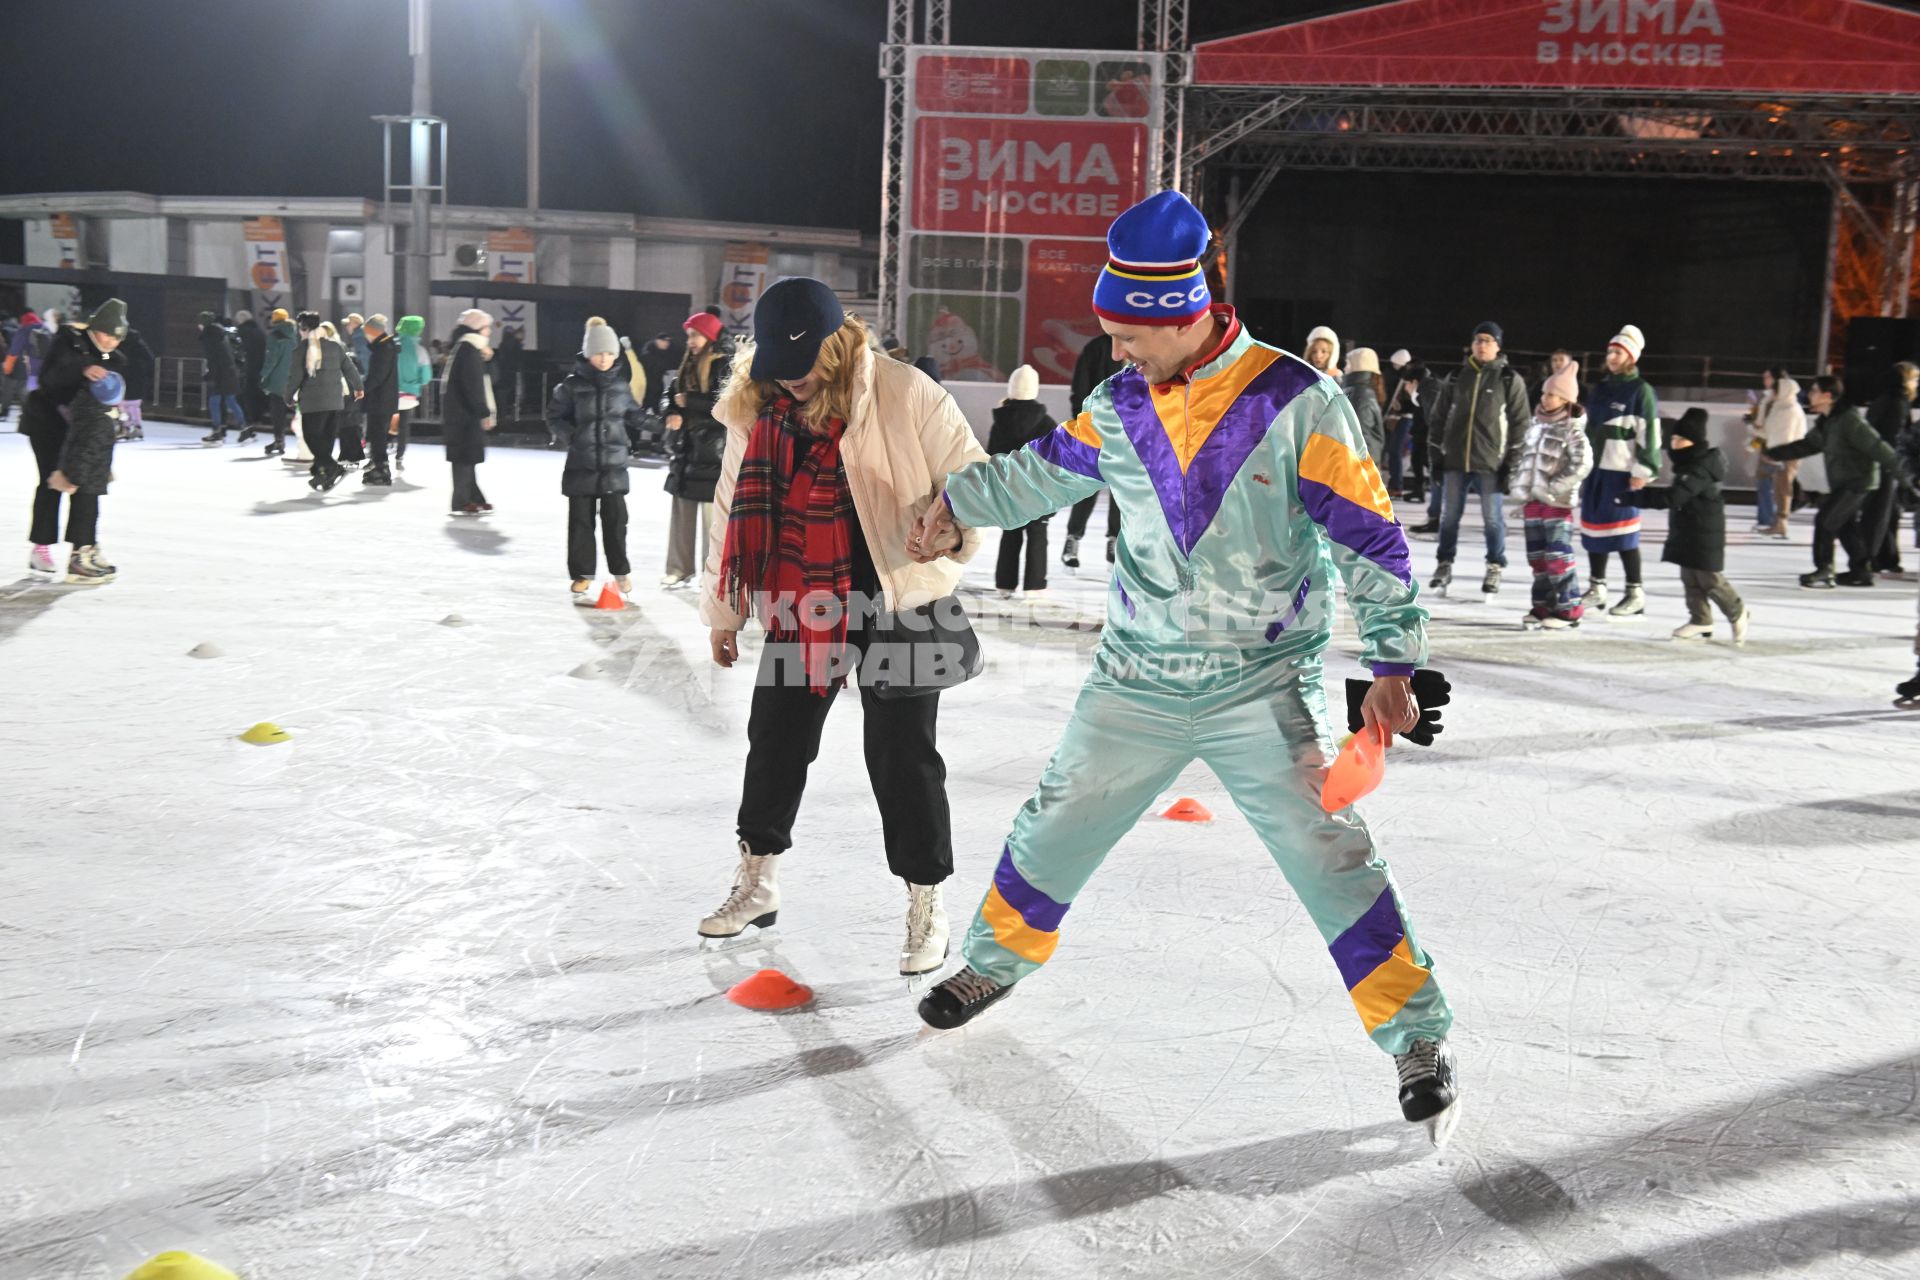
1186 809
769 990
1357 770
610 598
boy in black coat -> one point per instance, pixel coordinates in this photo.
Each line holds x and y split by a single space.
1697 528
594 415
1017 422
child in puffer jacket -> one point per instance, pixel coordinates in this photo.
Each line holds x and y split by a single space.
1553 462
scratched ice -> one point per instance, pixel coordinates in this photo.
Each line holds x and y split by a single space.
413 994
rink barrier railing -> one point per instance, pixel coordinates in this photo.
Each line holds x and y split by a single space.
179 391
180 394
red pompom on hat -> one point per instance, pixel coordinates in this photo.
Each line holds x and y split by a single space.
706 324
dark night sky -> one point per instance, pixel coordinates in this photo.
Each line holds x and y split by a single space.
749 110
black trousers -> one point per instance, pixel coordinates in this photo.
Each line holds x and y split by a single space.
348 427
1883 524
466 486
280 417
903 764
1842 518
400 437
612 511
1007 573
320 427
83 509
1418 445
13 391
377 439
1083 512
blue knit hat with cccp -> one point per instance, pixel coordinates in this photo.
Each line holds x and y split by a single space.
1153 273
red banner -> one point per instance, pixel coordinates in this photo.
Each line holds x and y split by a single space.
1025 177
1060 320
990 86
1829 47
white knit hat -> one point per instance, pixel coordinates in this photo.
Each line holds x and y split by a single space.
1363 360
601 341
1321 331
1024 384
474 318
1630 340
1401 358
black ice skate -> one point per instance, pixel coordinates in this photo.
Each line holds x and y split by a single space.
1909 691
1442 578
960 999
1428 1092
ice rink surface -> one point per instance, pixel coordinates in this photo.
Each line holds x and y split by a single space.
416 993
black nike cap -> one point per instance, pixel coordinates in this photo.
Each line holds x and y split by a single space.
790 322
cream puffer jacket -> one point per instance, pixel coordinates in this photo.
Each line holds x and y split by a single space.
1778 419
905 437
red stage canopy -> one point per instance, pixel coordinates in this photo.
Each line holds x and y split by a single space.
1827 48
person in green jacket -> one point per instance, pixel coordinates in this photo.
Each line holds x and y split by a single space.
1854 454
416 373
1478 426
274 369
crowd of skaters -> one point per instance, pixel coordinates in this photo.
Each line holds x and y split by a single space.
1583 457
1571 456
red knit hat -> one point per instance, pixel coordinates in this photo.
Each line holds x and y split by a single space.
705 323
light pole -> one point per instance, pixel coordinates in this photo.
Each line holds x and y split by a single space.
419 260
530 80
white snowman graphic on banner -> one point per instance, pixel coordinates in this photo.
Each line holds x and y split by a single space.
955 348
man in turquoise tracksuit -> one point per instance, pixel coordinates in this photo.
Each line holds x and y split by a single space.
1244 484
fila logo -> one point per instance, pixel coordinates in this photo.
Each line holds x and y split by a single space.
1262 479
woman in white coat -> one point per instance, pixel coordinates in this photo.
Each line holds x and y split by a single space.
833 452
1777 419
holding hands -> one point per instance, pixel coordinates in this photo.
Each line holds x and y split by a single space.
934 534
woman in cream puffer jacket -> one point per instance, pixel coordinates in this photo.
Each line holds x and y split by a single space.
904 436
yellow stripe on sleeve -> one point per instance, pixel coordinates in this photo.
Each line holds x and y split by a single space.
1353 476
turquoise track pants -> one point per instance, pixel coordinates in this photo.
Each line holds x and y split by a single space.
1267 741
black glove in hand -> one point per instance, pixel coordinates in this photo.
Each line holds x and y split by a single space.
1430 689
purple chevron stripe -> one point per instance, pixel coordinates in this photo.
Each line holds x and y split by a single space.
1359 530
1299 603
1068 452
1036 908
1240 430
1134 403
1368 942
1191 500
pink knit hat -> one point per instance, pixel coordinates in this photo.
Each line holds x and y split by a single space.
1565 384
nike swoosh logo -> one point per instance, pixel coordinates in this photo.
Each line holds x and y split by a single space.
795 337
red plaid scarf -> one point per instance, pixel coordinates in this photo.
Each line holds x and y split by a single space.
789 537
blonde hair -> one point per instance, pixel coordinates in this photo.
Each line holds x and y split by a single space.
326 331
837 363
